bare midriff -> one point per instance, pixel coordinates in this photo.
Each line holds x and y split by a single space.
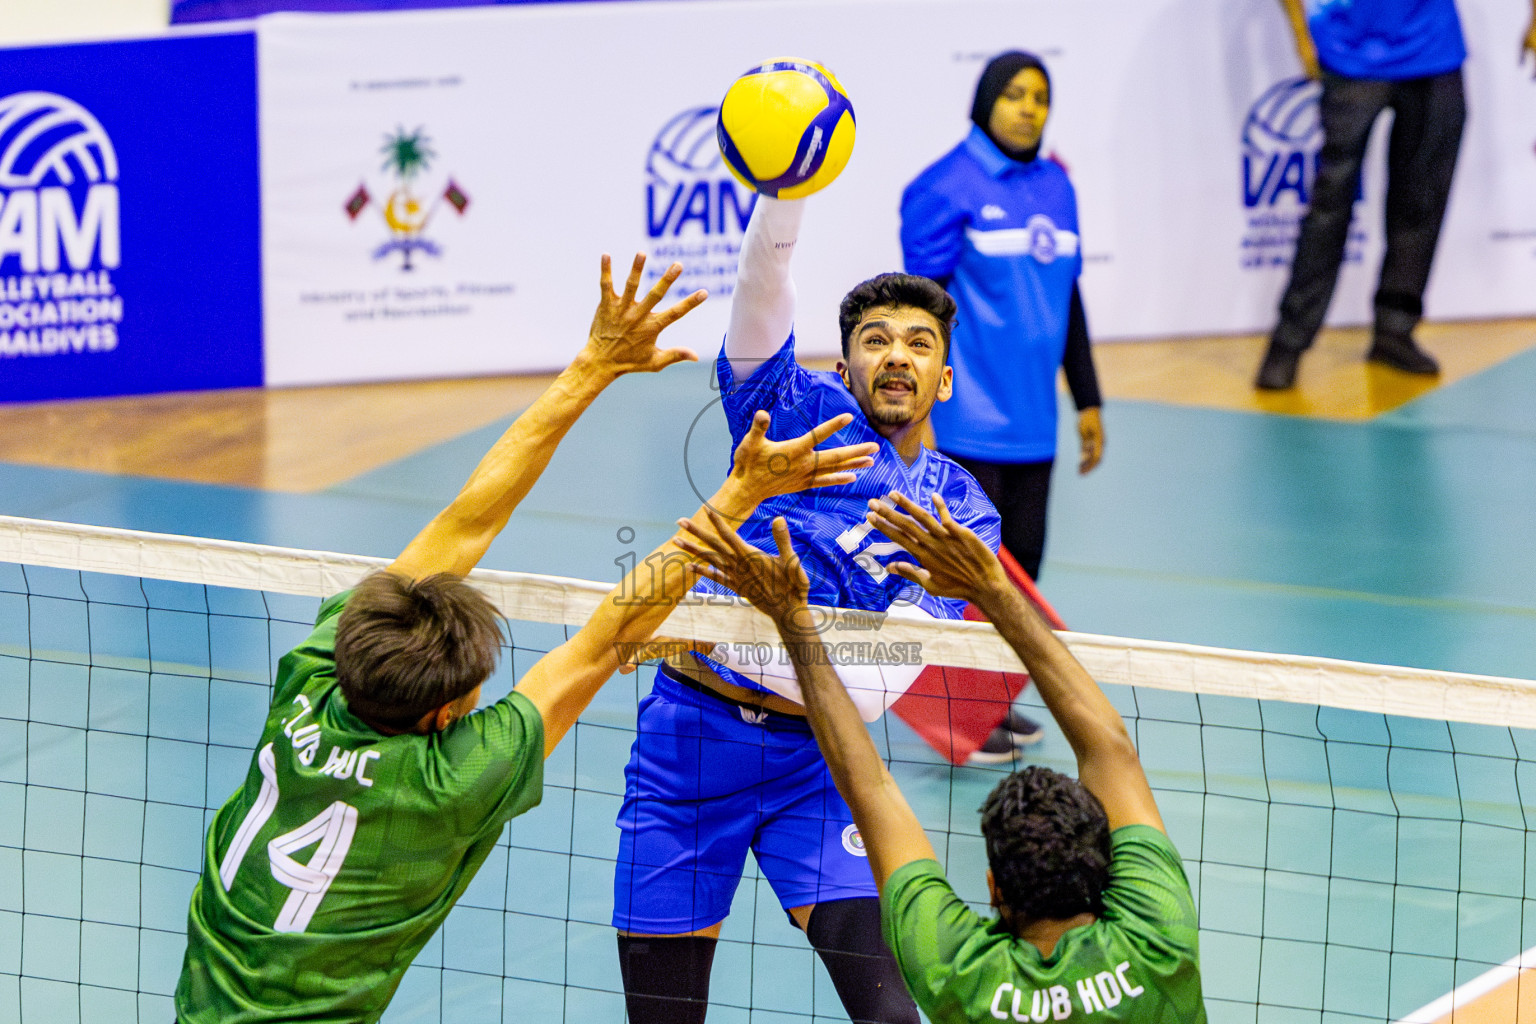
688 666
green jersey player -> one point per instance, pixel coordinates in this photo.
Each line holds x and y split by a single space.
1095 917
377 789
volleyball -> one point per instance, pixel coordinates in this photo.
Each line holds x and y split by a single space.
786 128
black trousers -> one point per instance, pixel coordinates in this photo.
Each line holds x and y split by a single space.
1021 491
1428 114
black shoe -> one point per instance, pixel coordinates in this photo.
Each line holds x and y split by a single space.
1005 742
1399 352
1025 732
1278 371
998 749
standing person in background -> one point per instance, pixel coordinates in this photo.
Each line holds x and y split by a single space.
998 228
1372 55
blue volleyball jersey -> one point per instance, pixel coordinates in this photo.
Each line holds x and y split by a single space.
1004 233
1389 40
844 557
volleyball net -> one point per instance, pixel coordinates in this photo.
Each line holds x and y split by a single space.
1356 835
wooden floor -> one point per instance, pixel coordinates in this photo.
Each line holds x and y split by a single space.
1334 381
266 438
292 439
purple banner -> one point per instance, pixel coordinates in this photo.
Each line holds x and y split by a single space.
183 11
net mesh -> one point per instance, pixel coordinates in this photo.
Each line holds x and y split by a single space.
1357 836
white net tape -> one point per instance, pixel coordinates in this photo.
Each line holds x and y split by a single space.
1382 689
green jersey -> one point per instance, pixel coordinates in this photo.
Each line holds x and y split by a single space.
1137 963
334 863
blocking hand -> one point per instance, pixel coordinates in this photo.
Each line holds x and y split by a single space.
623 335
955 562
775 584
766 468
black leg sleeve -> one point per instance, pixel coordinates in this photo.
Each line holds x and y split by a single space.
666 979
846 935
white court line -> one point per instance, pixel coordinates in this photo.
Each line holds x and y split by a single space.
1473 990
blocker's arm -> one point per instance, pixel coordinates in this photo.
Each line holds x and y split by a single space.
564 681
954 562
622 340
777 586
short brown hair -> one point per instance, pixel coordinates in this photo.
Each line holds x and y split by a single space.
896 290
406 647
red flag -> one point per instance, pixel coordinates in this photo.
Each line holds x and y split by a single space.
456 196
956 709
357 202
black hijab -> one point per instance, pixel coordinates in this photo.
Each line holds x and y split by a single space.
999 72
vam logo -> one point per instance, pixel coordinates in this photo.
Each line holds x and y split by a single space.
688 189
1281 141
60 229
695 212
58 186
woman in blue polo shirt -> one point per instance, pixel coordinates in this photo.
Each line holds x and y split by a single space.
998 228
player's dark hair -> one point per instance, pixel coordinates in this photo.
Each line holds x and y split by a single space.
406 647
896 290
1047 844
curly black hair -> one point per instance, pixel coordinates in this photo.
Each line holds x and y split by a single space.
896 290
1047 844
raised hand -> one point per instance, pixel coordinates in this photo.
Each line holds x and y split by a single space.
765 468
775 584
954 561
623 335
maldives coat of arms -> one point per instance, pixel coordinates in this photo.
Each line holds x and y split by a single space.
407 156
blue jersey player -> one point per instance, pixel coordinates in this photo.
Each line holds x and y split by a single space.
724 760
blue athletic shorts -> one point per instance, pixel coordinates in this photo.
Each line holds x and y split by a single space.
706 782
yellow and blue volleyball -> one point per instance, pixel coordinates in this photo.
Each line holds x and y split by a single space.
786 128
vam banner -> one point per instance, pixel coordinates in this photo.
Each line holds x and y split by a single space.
439 184
129 218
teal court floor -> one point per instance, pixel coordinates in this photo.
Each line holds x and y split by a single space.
1349 867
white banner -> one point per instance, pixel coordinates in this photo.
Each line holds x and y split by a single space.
438 185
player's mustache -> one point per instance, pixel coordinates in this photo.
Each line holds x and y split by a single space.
887 378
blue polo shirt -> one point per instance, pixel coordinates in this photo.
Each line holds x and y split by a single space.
1005 234
1387 40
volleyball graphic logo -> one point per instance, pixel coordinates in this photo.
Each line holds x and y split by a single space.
786 128
60 229
684 147
45 136
688 189
1285 117
1281 138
